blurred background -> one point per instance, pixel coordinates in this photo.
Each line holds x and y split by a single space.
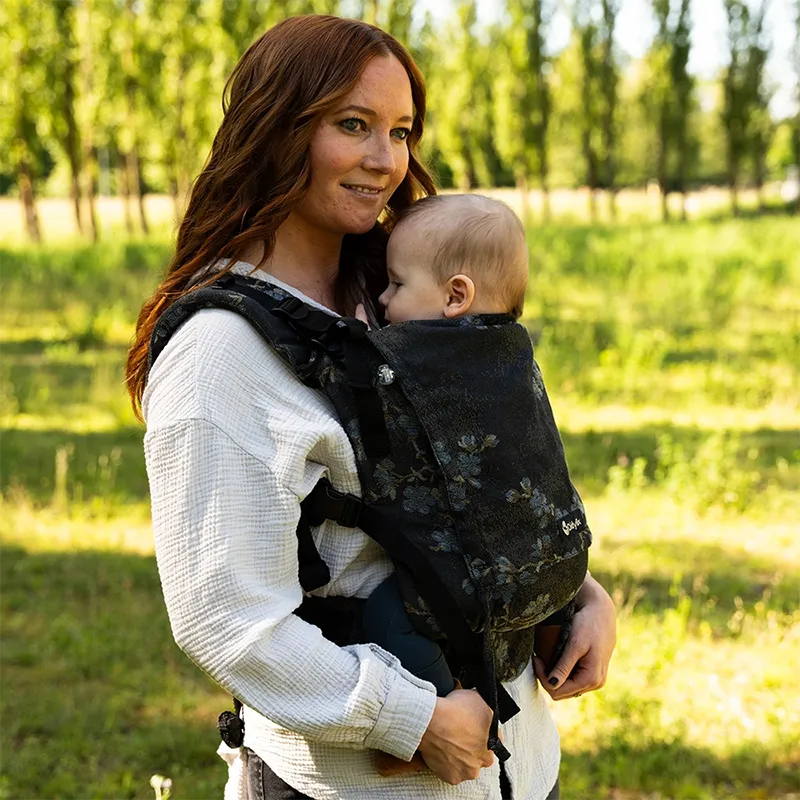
652 147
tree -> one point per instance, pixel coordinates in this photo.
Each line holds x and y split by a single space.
462 93
185 36
397 19
758 125
91 70
795 138
669 97
23 90
522 96
609 86
586 33
63 69
745 112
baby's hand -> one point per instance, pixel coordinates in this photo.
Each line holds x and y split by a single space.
361 314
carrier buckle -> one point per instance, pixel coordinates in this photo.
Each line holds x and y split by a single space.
325 502
292 308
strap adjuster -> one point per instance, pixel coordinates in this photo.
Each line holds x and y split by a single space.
325 502
292 307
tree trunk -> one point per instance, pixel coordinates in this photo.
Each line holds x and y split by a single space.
543 174
180 172
75 194
525 206
134 175
760 172
89 157
126 192
612 203
90 189
72 145
734 198
25 183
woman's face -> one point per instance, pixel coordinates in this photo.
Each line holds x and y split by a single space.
359 152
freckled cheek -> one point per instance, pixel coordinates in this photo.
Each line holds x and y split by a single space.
401 168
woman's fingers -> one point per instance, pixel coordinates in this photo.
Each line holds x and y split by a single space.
584 664
454 745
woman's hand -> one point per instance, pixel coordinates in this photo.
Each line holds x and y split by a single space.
454 745
583 666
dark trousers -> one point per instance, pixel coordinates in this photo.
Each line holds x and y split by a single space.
264 784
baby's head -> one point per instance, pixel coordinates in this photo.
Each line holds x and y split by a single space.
451 255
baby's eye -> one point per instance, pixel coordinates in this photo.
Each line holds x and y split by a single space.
401 134
353 124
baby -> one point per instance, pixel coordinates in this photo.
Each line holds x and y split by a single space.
451 255
448 256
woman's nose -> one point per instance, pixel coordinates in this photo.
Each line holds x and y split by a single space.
381 155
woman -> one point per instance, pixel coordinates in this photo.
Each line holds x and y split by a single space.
322 121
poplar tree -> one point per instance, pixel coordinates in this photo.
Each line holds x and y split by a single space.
63 70
522 98
587 34
738 88
795 139
609 87
758 125
22 91
669 97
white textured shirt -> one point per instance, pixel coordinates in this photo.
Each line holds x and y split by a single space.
234 442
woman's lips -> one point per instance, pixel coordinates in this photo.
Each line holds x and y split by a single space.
363 191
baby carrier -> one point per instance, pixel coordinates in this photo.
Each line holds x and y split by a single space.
488 534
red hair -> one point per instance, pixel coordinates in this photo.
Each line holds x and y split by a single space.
259 166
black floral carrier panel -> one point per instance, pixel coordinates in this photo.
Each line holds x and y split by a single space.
462 469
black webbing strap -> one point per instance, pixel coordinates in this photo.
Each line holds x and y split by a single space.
474 650
313 571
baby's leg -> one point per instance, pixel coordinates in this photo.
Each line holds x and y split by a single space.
387 624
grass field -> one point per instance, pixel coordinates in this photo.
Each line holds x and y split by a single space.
671 355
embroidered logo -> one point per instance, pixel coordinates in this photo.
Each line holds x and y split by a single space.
573 522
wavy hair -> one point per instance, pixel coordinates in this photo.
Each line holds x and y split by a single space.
259 168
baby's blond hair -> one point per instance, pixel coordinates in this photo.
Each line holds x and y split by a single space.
480 237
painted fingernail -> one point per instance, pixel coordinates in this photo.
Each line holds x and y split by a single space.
553 681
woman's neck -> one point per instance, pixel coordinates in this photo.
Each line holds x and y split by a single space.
305 258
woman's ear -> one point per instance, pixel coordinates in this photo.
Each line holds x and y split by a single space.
460 295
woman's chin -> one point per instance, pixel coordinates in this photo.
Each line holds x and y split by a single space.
360 225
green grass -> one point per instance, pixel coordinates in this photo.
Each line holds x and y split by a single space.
670 354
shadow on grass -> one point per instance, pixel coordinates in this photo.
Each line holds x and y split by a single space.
28 457
629 765
592 453
96 698
706 572
107 464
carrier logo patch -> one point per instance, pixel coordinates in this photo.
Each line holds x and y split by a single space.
573 522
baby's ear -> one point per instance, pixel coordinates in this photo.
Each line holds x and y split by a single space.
460 296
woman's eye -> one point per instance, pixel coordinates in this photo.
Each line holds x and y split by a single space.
353 124
401 133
